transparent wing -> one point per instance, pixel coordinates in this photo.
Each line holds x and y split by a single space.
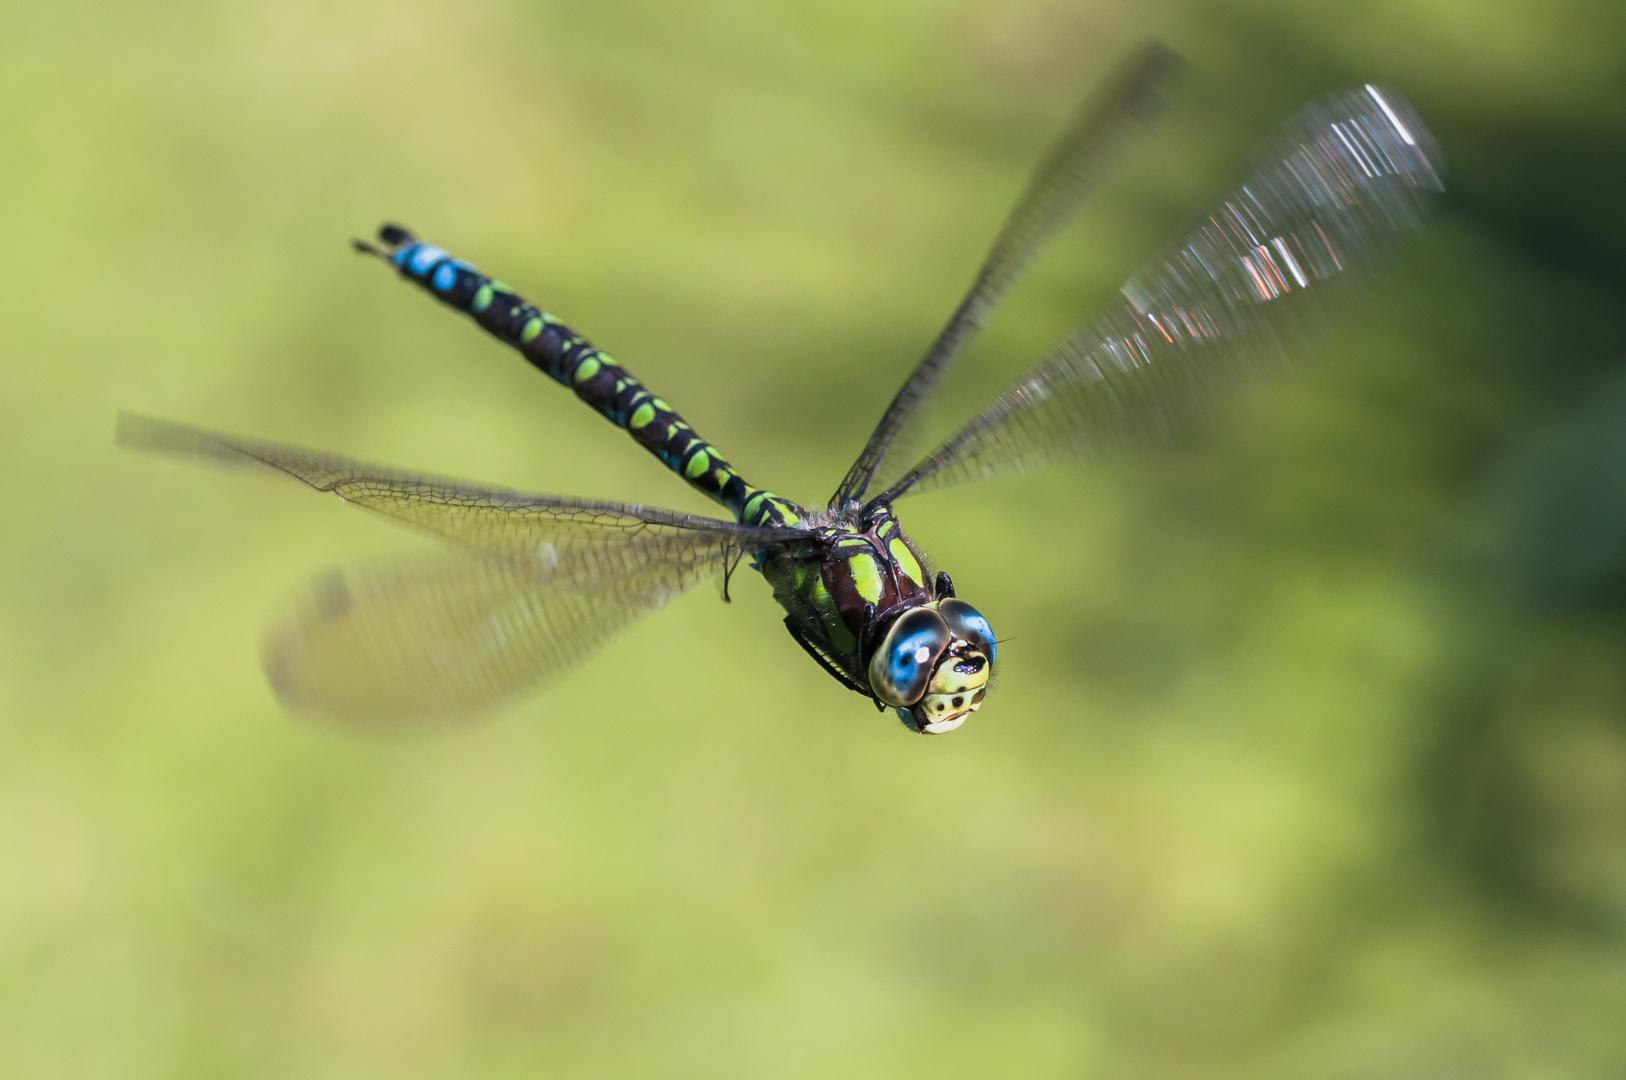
1128 101
580 539
541 582
1246 288
441 638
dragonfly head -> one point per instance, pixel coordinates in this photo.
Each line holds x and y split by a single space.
933 665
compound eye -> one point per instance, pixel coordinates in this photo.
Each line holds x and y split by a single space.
967 623
902 667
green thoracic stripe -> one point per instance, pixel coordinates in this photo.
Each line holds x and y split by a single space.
907 564
866 577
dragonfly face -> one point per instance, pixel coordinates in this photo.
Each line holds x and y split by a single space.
933 665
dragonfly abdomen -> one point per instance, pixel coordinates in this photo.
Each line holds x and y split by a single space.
571 360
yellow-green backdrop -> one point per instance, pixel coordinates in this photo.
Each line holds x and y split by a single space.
1307 757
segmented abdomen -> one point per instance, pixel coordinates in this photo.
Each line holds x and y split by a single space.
570 359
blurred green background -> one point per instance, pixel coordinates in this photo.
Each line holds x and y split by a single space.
1308 757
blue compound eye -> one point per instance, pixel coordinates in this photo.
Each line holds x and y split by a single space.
967 623
902 667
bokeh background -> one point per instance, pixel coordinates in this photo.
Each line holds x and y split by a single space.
1308 757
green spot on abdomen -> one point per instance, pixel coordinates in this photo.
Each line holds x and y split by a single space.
642 415
866 574
697 465
908 565
755 508
482 299
532 328
586 369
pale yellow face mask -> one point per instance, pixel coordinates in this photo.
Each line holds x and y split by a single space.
933 665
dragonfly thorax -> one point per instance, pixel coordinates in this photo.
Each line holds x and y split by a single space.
861 600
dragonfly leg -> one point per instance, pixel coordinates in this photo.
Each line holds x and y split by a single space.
825 662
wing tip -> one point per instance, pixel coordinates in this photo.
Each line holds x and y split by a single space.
1406 123
379 717
133 431
300 652
137 432
1388 118
1157 65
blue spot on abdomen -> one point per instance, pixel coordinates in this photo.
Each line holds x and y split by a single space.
425 256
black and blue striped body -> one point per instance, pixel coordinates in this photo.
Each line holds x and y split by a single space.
569 359
838 586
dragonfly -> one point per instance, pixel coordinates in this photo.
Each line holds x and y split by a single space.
526 585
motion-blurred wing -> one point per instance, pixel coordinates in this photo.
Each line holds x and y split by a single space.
544 581
1130 100
1248 286
420 642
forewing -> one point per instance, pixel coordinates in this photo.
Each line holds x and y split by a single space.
441 638
586 541
1247 288
538 583
1128 101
